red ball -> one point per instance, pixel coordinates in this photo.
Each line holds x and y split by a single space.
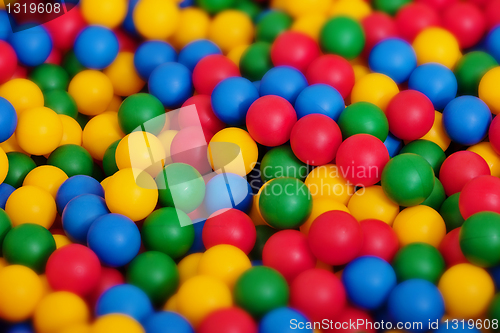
125 42
335 237
287 252
480 3
379 240
270 120
55 57
333 70
229 320
353 315
450 248
65 28
494 134
315 139
190 146
466 21
410 114
211 70
377 27
110 277
294 49
480 194
318 293
439 4
361 159
74 268
20 72
197 111
8 61
492 13
230 226
459 168
415 17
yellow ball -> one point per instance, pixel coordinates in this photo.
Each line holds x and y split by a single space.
437 133
200 296
22 94
105 182
80 328
156 19
61 240
137 150
235 54
375 88
188 267
72 132
109 13
39 131
419 224
166 138
115 103
310 25
232 150
320 206
92 91
116 323
3 263
123 75
132 193
46 177
297 8
327 181
372 203
193 25
489 86
437 45
59 310
171 304
254 213
20 292
4 165
356 9
231 28
31 204
467 291
278 4
100 132
12 145
485 150
360 71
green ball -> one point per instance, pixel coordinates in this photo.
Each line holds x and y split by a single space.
391 7
50 77
156 274
494 311
285 203
408 179
256 61
260 290
109 161
138 109
271 25
5 226
168 230
470 69
71 64
282 162
480 239
364 118
72 159
180 186
29 245
61 102
249 7
451 213
82 120
343 36
19 166
418 261
428 150
264 232
437 196
214 6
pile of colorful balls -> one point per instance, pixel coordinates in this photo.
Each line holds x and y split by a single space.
250 166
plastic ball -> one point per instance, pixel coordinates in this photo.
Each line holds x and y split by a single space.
100 132
437 196
74 268
451 213
123 75
418 261
116 323
8 121
450 248
125 299
467 290
16 167
4 167
228 320
393 57
419 224
413 18
96 47
327 181
319 98
478 240
231 28
482 193
231 99
142 151
193 25
201 114
494 134
75 186
487 86
320 206
141 111
343 36
283 81
379 240
228 190
278 321
372 203
110 277
281 162
390 7
72 131
377 26
8 61
48 77
151 54
32 45
294 49
466 22
157 322
272 24
332 70
374 88
256 61
171 84
92 92
437 45
189 146
72 159
363 118
61 102
192 53
156 19
22 94
428 150
437 133
110 13
60 310
31 204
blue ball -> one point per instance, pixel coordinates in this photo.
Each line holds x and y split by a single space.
128 23
171 83
466 120
75 186
493 43
8 119
32 46
231 99
284 81
192 53
198 245
167 322
393 57
152 54
416 301
125 299
435 81
368 281
186 3
320 98
494 272
283 320
96 47
25 327
228 190
393 145
5 192
5 28
115 239
80 213
456 327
